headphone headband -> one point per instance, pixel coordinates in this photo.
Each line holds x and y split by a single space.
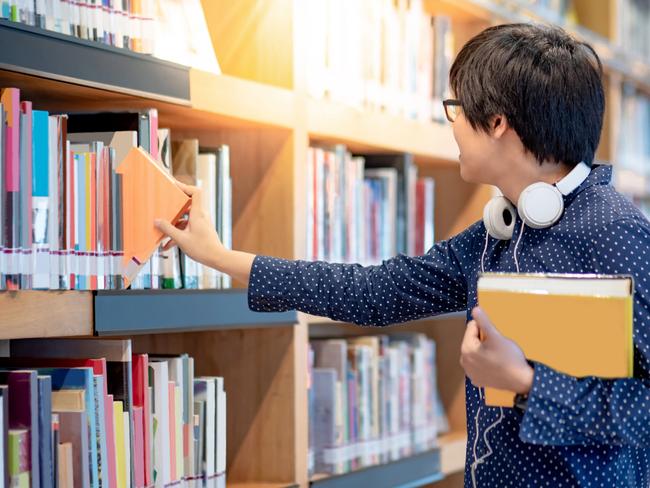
574 179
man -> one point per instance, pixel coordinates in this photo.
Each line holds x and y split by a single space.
528 108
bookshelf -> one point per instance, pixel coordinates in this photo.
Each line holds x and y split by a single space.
260 107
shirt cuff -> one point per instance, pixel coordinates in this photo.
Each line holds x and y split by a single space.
267 285
551 407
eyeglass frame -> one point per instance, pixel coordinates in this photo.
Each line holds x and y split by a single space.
450 102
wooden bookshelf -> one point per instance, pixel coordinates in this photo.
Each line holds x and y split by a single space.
259 107
365 131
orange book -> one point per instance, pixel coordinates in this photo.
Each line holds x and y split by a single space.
148 194
580 325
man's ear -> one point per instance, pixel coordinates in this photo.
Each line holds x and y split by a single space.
498 126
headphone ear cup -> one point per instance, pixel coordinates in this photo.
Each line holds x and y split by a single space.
540 205
499 218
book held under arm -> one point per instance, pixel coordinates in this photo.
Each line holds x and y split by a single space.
580 325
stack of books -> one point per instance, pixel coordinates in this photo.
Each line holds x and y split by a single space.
91 413
363 209
61 198
372 400
380 54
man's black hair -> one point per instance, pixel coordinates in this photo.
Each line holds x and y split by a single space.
546 83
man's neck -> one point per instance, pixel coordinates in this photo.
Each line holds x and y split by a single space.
524 175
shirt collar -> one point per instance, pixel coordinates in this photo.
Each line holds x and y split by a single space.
601 174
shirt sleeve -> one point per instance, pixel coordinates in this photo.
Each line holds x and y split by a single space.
564 410
400 289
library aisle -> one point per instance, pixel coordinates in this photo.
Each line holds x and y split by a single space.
316 131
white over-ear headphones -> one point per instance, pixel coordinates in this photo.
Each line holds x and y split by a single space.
540 205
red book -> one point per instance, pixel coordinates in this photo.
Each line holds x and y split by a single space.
138 454
140 365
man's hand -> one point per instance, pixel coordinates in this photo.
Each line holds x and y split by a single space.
196 237
495 361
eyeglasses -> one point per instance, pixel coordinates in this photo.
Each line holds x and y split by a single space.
452 108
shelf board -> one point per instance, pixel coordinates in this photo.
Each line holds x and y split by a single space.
151 311
56 56
418 470
452 452
243 102
25 314
375 131
614 58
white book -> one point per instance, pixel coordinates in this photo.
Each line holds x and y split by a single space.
161 445
204 392
225 194
206 179
221 428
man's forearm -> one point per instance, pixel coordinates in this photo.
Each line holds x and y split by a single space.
237 264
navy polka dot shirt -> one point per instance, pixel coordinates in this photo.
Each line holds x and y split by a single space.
586 432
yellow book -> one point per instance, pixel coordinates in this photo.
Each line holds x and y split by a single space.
120 460
580 325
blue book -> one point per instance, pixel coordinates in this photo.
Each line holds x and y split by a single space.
40 153
40 199
45 455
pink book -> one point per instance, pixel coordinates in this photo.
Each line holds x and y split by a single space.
10 98
110 441
138 454
172 431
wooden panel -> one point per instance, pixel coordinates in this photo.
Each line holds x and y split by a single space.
45 314
262 169
253 39
265 380
600 19
374 131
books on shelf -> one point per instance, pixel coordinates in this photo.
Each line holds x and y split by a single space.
372 400
366 208
632 168
209 169
633 19
62 199
118 23
121 419
383 55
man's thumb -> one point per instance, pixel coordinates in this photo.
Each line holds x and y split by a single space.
168 229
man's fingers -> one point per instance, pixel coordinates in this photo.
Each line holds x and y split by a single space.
484 323
168 229
471 340
188 189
